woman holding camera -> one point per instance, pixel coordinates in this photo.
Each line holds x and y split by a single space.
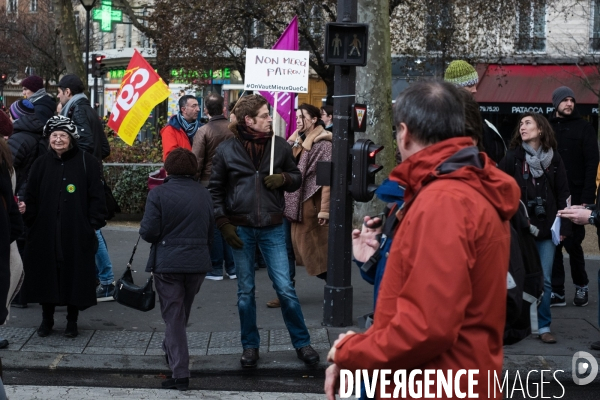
540 172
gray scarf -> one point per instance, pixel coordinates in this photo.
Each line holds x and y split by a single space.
65 109
538 160
37 95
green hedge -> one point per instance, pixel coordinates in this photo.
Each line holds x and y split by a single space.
129 184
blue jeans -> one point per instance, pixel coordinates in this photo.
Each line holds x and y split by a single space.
271 242
546 250
103 265
220 251
287 227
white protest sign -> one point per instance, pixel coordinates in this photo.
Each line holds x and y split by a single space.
277 70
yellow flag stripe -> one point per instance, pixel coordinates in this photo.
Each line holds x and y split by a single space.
135 118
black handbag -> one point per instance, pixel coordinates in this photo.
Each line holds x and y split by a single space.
141 298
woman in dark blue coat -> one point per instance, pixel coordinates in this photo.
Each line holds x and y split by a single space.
179 223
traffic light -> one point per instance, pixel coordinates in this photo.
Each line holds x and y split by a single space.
346 44
364 168
97 65
3 78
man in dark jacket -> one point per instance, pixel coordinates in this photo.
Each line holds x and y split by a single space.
578 147
23 143
462 74
249 203
75 105
33 90
206 140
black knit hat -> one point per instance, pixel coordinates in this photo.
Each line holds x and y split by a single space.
72 82
560 94
181 162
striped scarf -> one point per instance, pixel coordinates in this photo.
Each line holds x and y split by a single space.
190 128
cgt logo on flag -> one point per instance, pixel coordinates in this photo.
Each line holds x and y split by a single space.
141 90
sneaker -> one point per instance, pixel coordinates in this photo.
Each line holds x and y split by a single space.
232 275
581 297
308 355
3 343
214 277
105 292
556 300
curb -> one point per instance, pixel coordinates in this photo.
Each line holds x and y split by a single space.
278 364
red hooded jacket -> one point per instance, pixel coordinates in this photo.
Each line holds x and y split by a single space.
442 301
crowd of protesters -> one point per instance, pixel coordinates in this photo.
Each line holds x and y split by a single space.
229 204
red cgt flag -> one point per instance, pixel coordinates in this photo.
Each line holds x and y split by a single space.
141 90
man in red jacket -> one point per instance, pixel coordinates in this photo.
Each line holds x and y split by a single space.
442 300
182 126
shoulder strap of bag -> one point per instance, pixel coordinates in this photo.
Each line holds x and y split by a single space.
133 252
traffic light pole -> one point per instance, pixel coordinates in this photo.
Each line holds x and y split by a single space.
337 303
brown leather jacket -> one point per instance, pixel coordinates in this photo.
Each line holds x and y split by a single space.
205 143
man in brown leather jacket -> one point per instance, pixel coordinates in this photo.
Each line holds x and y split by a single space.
205 144
210 136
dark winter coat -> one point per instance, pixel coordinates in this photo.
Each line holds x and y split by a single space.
238 189
179 223
11 228
493 144
558 189
578 147
45 108
91 131
23 143
65 205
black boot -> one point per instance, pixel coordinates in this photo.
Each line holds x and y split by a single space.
176 383
45 328
71 330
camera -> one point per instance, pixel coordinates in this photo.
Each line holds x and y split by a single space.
537 205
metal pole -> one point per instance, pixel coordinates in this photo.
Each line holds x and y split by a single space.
87 46
337 302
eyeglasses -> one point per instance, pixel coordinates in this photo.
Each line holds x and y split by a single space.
62 137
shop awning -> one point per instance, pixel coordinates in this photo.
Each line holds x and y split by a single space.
533 84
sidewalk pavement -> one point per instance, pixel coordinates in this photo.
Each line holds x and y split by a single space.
114 338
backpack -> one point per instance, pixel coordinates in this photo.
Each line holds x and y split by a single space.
525 281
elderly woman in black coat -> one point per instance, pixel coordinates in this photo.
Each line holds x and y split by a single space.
179 223
65 206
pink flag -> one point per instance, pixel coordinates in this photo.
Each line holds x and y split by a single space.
286 100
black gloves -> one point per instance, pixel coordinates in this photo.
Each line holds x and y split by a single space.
232 239
274 181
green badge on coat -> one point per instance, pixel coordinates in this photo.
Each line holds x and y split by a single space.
71 188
